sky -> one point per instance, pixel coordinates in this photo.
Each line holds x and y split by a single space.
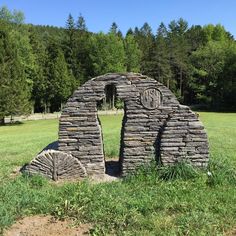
99 14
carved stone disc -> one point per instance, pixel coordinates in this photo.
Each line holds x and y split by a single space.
151 98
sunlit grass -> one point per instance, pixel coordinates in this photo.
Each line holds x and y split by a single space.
221 129
111 128
20 143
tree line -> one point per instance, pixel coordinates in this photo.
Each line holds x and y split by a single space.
40 66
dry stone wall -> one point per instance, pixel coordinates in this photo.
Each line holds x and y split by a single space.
154 126
184 138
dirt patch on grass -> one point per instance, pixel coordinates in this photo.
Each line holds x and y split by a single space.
15 172
46 226
231 232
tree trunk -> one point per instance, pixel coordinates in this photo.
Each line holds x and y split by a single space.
113 97
181 82
32 110
105 99
2 121
159 71
12 119
45 107
168 83
48 107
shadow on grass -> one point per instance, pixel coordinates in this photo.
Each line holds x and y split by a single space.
113 168
15 123
53 145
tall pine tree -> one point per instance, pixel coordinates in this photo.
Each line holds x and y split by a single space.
60 82
14 88
162 68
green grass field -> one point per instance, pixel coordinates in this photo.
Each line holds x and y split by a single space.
140 205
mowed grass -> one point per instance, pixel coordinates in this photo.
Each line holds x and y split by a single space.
19 143
221 129
144 204
111 128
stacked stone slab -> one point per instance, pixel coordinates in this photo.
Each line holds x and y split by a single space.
154 126
184 138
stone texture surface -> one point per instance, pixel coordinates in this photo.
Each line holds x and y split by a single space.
184 138
154 126
56 165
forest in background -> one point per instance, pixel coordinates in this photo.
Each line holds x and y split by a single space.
40 66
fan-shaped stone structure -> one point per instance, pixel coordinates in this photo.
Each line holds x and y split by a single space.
56 165
154 125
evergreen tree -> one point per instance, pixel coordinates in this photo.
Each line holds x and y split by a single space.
130 31
119 34
161 58
70 27
39 78
114 28
60 82
14 88
70 47
146 43
179 55
198 63
77 49
196 37
25 54
83 48
81 25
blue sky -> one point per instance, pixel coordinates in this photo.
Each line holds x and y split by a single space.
99 14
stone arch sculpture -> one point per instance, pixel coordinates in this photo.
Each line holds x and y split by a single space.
154 125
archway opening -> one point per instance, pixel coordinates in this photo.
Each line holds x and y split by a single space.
110 115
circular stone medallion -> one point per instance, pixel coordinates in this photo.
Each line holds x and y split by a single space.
151 98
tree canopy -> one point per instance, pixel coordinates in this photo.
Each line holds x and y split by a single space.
40 66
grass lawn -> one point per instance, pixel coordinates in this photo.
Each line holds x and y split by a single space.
140 205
